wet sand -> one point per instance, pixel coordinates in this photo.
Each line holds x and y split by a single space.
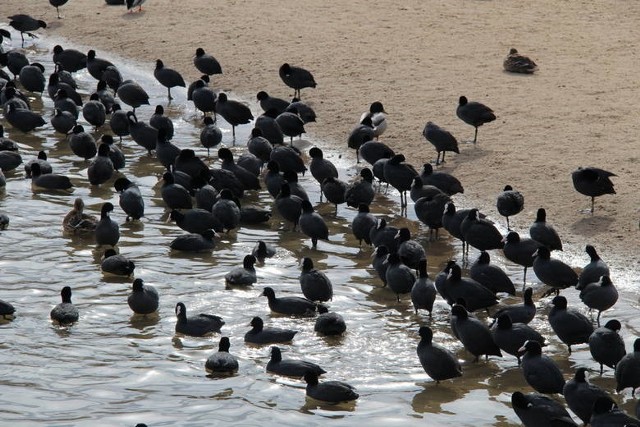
418 57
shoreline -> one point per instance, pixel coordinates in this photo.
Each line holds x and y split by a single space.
571 113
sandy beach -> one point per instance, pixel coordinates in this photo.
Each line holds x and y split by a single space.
418 57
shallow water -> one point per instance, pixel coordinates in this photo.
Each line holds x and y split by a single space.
112 368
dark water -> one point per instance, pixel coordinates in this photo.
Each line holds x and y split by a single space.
113 369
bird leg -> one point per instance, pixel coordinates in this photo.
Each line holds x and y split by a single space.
169 93
475 136
593 199
548 292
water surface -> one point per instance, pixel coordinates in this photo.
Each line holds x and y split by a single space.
114 369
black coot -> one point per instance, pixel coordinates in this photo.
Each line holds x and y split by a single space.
441 139
580 394
143 299
592 182
312 224
544 233
245 275
198 325
222 361
628 370
437 361
362 224
537 410
511 336
521 251
65 313
474 114
258 334
474 334
601 295
480 233
491 276
520 313
291 367
296 78
329 323
553 272
606 345
315 285
399 277
329 391
423 292
510 202
571 326
289 305
594 270
540 371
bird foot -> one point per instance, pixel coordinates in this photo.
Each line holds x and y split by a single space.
33 36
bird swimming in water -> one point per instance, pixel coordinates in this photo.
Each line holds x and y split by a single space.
76 221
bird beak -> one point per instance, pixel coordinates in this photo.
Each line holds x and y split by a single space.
535 254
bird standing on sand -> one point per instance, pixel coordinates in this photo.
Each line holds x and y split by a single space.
474 114
296 78
510 202
516 63
206 63
135 3
441 139
378 118
592 182
57 4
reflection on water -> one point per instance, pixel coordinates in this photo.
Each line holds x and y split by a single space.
112 368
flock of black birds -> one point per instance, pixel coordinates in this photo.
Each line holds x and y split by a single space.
205 200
